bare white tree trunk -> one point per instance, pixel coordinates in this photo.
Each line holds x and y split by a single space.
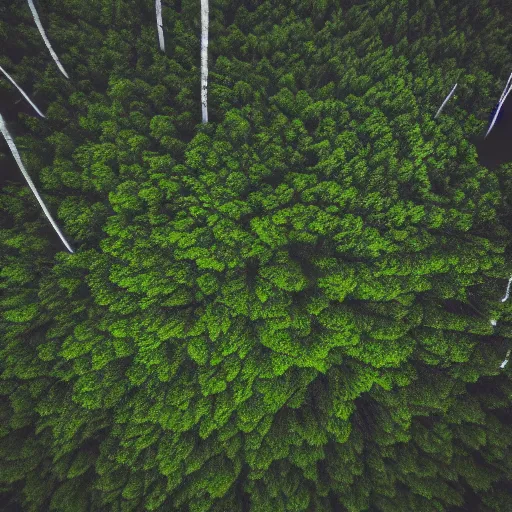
506 360
204 59
504 97
45 39
507 292
14 151
21 90
159 24
445 101
508 82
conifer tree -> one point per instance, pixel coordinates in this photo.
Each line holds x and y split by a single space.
283 308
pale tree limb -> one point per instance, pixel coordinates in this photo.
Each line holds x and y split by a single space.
498 110
508 82
446 100
159 24
21 90
507 293
15 153
45 39
204 59
493 322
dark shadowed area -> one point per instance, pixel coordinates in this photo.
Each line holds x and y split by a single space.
496 149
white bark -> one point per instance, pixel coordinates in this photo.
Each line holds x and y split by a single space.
446 100
508 82
14 151
45 39
507 292
493 322
21 90
498 110
159 24
504 363
204 59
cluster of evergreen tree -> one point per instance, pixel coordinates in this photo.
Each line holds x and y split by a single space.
284 309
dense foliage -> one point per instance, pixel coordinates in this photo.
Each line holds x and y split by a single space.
284 309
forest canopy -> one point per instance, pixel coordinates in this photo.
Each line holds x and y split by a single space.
286 308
